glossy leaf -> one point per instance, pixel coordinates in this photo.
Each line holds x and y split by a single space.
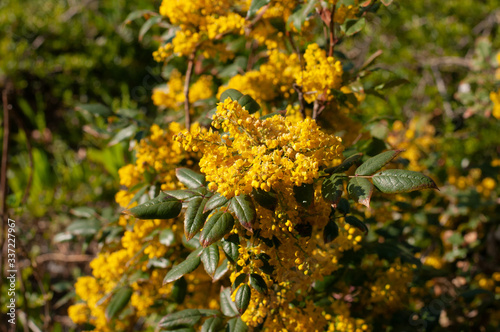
210 259
123 134
243 208
249 103
230 247
182 194
221 271
216 201
167 237
299 17
218 225
188 265
147 25
190 178
194 217
361 190
393 181
330 232
345 165
258 283
118 302
242 298
230 93
237 325
373 164
187 317
353 221
212 324
354 26
332 188
227 306
239 279
265 199
162 207
179 290
255 6
304 194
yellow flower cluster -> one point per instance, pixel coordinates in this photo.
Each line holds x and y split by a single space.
495 98
270 153
171 95
156 159
201 23
321 74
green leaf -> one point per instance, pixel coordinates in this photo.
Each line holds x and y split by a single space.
95 109
351 220
265 199
227 306
255 6
118 302
332 188
270 115
161 207
187 317
167 237
138 195
179 290
343 206
221 270
188 265
237 325
190 178
210 259
304 194
192 244
373 164
123 134
330 232
147 25
298 18
182 194
242 298
258 283
137 14
239 279
242 206
195 217
83 212
249 103
361 190
218 225
393 181
345 165
230 93
230 247
84 227
212 324
354 26
214 202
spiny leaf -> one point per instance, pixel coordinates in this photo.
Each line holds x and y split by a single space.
212 324
162 207
231 93
195 217
118 302
373 164
393 181
265 199
304 194
227 306
242 298
188 265
230 247
249 103
187 317
258 283
361 190
216 201
218 225
243 208
190 178
210 259
351 220
345 165
255 6
332 188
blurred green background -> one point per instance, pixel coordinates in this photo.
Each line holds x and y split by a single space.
78 79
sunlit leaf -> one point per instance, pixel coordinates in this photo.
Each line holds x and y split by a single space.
393 181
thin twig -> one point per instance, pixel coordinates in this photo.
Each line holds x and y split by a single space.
257 18
333 41
57 256
187 82
302 104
